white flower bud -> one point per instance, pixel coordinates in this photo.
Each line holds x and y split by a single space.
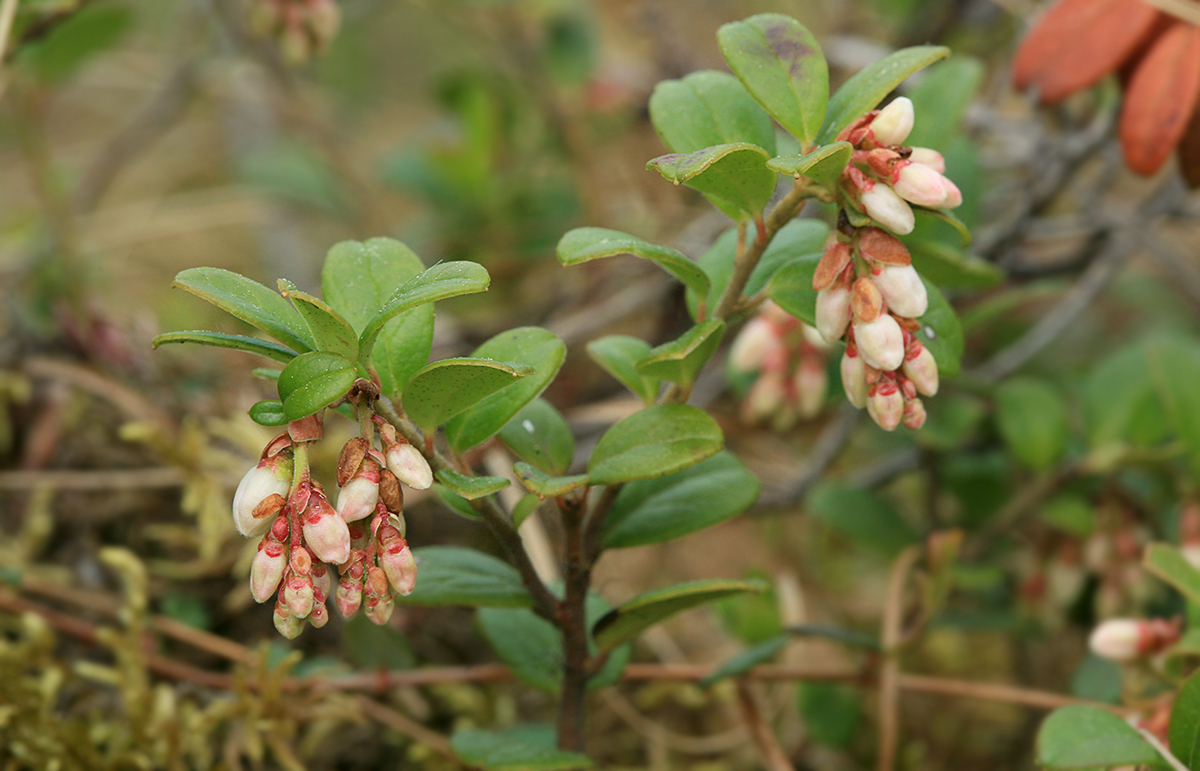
753 345
812 383
1116 640
928 157
267 569
880 342
919 184
894 122
765 397
902 290
854 378
833 312
358 498
921 368
325 532
885 405
953 196
883 205
397 561
914 414
285 623
409 466
272 476
298 595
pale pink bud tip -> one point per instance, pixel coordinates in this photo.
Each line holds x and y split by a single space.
379 609
919 184
854 378
1116 640
358 498
833 312
752 345
267 570
886 405
409 466
272 476
298 595
326 533
286 624
921 368
811 383
894 122
765 397
902 290
398 563
883 205
914 414
880 342
928 157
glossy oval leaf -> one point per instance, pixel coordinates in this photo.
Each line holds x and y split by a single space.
823 165
1120 402
326 326
584 244
442 281
268 413
1175 366
539 435
658 510
625 622
949 266
265 348
357 280
619 355
941 332
1166 562
533 347
681 360
1184 730
525 508
494 751
456 503
1082 737
735 176
249 301
708 108
792 288
742 662
443 389
544 485
452 575
780 63
870 85
1032 417
312 381
862 517
470 487
658 440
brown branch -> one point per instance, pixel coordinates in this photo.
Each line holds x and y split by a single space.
889 673
772 754
405 725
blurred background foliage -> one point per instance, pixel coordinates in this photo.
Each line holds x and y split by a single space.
139 138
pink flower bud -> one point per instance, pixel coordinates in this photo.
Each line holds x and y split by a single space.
854 377
753 345
298 595
833 312
409 466
919 184
357 499
880 342
397 561
348 597
765 397
921 368
883 205
953 196
379 609
325 532
914 414
885 405
811 383
272 476
267 569
928 157
902 289
285 623
814 338
894 122
1116 640
319 616
322 582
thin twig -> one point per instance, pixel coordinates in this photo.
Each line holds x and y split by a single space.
889 674
405 725
768 746
8 12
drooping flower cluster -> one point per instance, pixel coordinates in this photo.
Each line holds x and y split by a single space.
789 357
302 534
302 28
885 176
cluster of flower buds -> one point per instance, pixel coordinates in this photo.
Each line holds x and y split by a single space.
302 534
1127 639
302 28
885 176
789 357
869 293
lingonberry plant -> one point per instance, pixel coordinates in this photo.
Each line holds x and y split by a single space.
361 353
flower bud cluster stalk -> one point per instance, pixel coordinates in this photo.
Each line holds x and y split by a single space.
302 28
304 538
789 357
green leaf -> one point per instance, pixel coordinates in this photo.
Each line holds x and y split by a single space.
708 108
1032 417
470 487
584 244
451 575
863 517
1120 401
830 712
312 381
941 332
357 280
1088 738
669 507
269 413
73 39
443 389
949 266
539 435
681 360
870 85
456 503
1165 561
249 301
655 441
544 485
501 752
532 347
442 281
792 288
794 240
948 217
743 662
524 508
823 165
780 63
837 634
327 328
1175 364
236 342
626 622
940 100
1071 513
619 356
734 176
1184 731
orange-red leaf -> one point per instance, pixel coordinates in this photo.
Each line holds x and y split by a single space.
1160 99
1078 42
